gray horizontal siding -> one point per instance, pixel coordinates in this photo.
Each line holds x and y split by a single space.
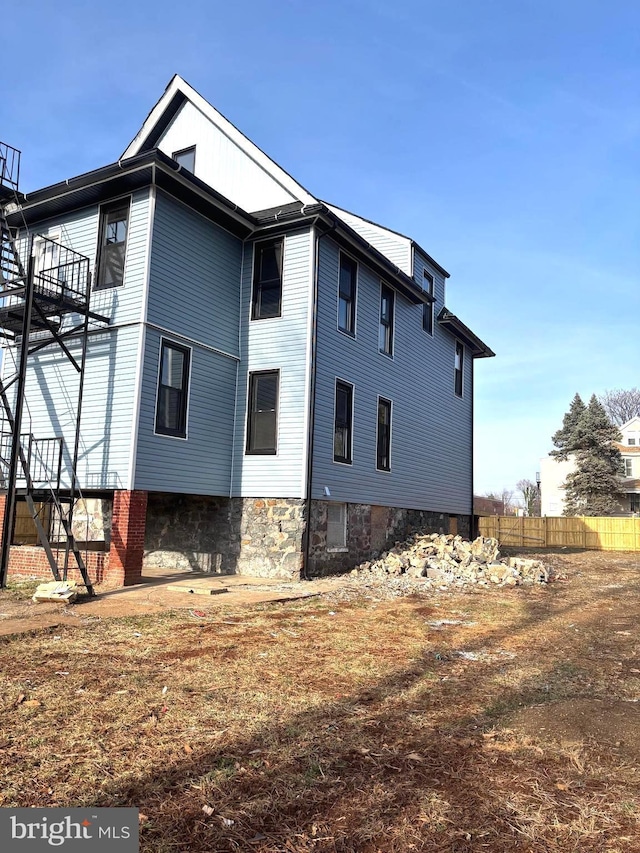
277 343
194 283
109 401
201 464
79 231
107 410
431 427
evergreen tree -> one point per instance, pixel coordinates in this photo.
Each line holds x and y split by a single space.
594 488
563 439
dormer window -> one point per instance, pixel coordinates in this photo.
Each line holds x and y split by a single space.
186 158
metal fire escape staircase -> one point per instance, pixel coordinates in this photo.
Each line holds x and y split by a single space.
44 301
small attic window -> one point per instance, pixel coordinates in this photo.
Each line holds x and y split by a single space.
186 158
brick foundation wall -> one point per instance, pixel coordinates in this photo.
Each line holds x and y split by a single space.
128 525
30 561
120 566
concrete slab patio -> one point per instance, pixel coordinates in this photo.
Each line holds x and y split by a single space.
158 591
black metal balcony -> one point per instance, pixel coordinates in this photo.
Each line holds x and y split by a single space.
9 170
60 286
43 461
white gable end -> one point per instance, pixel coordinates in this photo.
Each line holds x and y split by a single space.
394 246
631 432
225 158
221 164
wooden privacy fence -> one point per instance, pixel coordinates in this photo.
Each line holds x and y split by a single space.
594 534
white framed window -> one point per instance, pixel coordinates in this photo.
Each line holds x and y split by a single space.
46 252
336 525
628 467
631 441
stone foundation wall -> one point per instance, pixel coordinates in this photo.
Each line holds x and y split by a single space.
91 521
271 536
190 532
261 537
371 530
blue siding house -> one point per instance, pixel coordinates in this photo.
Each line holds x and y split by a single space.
281 389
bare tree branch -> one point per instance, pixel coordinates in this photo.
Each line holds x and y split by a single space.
621 404
530 496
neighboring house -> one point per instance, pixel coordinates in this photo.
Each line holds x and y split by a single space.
281 388
483 505
553 474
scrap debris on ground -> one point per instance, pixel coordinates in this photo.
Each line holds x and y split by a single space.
427 562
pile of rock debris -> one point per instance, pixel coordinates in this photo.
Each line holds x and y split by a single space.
445 560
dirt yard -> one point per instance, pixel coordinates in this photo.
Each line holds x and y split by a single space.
491 720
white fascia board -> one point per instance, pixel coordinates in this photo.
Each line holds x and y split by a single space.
177 84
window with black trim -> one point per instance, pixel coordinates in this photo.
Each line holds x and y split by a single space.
186 158
458 369
383 458
112 248
347 295
267 280
427 308
343 423
262 423
173 390
385 332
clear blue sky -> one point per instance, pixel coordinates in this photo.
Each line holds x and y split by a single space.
503 136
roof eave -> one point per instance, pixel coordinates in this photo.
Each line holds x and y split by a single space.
431 260
277 219
456 327
125 176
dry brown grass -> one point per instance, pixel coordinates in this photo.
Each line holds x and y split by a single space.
316 726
